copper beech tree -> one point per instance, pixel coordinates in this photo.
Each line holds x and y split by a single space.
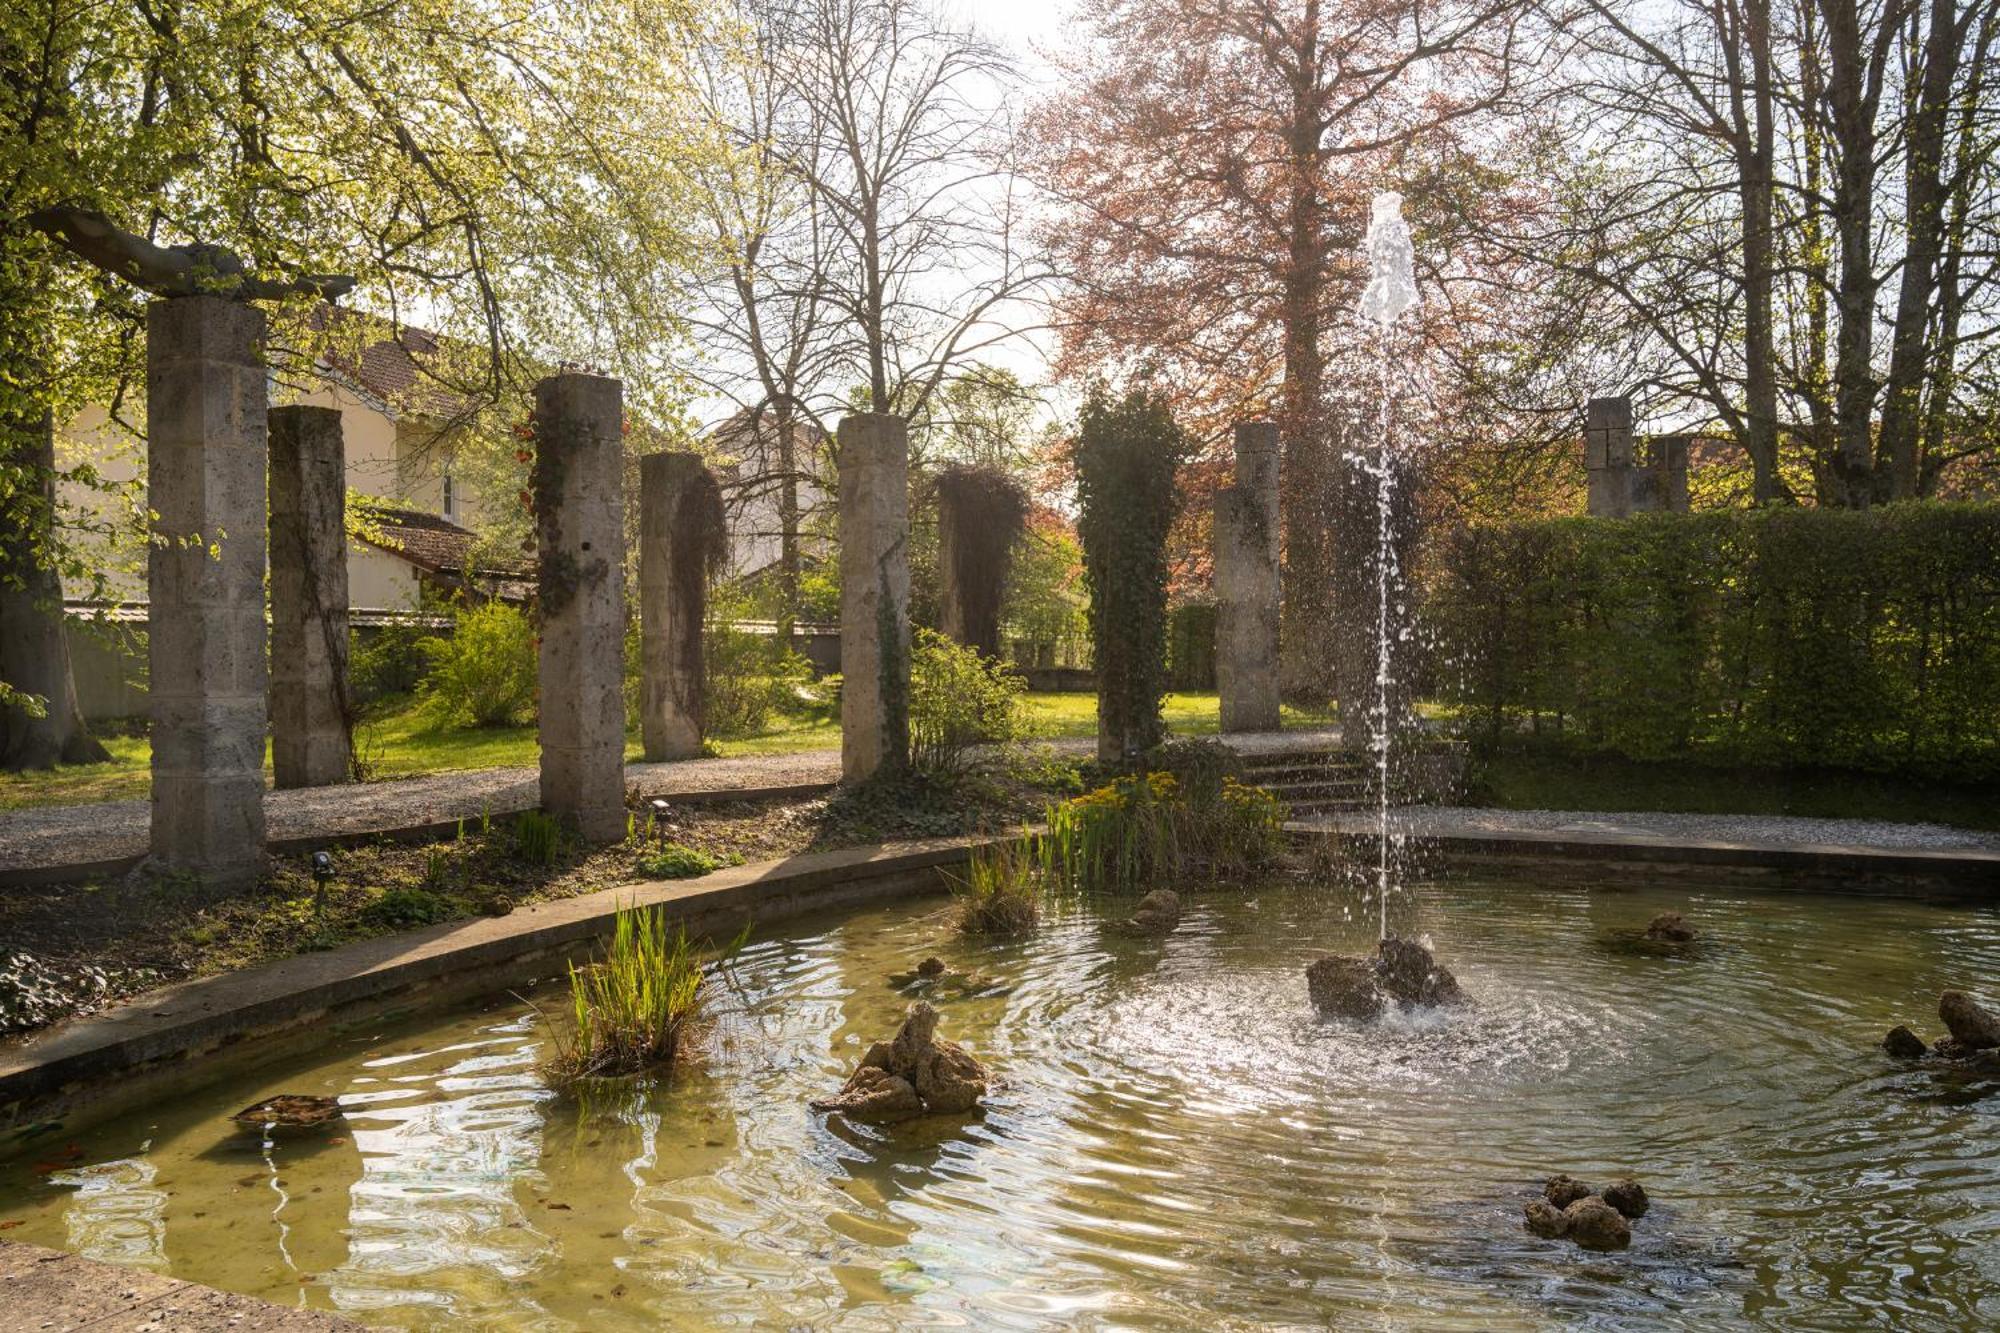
1213 160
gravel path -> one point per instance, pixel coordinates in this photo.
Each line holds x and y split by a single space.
78 834
1768 830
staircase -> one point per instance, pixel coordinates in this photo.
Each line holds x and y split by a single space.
1312 782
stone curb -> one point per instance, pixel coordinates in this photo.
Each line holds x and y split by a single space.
1960 872
92 1066
48 1289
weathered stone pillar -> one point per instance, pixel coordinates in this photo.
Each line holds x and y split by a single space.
580 539
673 579
981 514
310 742
1246 584
874 467
206 406
1607 456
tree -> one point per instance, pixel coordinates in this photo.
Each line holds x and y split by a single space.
457 160
1214 161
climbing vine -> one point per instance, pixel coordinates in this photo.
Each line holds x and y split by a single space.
1126 452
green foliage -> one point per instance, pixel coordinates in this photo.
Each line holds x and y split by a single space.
1148 829
1794 637
1001 891
958 700
394 660
1191 647
1126 453
633 1008
538 837
483 675
406 909
1045 599
750 677
673 860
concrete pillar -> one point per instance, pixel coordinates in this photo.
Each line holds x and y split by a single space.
874 467
671 605
310 743
1607 456
1246 584
206 405
579 488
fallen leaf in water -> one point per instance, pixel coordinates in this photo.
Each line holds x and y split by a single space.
10 1224
560 1207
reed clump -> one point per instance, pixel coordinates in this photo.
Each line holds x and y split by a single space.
1149 829
1002 890
634 1007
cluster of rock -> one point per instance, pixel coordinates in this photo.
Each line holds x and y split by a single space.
1402 972
1670 928
915 1074
1570 1210
1974 1029
1157 913
932 977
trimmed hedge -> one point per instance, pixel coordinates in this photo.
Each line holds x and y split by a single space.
1808 637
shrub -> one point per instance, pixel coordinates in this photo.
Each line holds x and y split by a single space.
632 1009
1001 890
675 860
1127 451
1833 638
750 677
958 700
484 674
394 661
1146 829
406 909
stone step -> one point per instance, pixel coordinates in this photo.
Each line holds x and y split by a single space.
1337 789
1341 772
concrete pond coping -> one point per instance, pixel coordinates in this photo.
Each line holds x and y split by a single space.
67 1293
1961 874
174 1038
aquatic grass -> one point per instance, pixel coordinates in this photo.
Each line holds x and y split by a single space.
1002 889
632 1008
1145 830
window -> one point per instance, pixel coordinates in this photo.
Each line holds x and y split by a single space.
450 508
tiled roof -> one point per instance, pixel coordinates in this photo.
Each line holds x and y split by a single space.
436 545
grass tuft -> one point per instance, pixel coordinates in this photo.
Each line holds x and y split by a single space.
632 1008
1002 890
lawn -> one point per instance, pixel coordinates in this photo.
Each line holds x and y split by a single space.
400 743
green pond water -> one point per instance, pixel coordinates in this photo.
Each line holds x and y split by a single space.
1177 1142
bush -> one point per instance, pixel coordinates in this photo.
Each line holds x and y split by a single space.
632 1010
394 661
1794 637
1001 890
751 677
959 700
1148 829
484 674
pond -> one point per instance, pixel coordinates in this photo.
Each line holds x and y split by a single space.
1178 1141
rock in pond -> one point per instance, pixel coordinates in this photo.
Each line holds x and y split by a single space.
1546 1220
293 1112
1628 1196
1670 928
932 966
1157 913
1562 1191
1971 1024
1904 1044
1402 971
915 1074
1596 1225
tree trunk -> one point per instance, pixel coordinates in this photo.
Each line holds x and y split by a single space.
1923 198
1760 386
788 527
1851 98
34 650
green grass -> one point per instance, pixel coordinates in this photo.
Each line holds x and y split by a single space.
1548 777
397 741
631 1010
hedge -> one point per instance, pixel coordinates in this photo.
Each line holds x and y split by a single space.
1784 637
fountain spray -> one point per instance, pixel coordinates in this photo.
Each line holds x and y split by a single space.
1391 291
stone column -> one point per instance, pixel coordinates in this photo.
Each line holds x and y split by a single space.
579 488
206 405
670 607
1607 456
1246 584
874 467
310 744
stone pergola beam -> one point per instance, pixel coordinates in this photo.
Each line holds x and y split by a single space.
580 534
310 741
874 467
206 424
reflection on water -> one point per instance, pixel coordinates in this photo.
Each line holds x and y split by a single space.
1176 1142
